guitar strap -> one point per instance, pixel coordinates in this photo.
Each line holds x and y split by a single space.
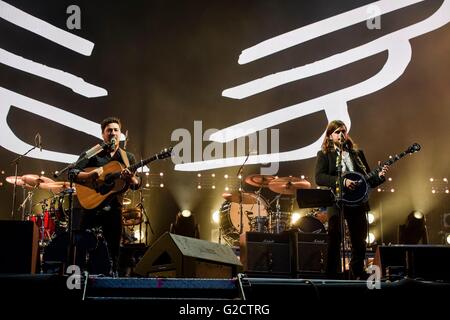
124 156
359 161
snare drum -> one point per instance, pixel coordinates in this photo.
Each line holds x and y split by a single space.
230 218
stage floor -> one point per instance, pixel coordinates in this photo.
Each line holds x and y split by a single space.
180 297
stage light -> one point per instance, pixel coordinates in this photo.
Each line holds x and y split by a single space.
42 173
389 179
199 187
216 217
147 173
147 185
445 179
414 230
213 186
392 190
199 175
446 220
186 213
226 188
302 177
447 238
240 176
225 176
185 225
161 174
370 217
379 189
431 179
213 175
370 238
161 185
295 217
418 215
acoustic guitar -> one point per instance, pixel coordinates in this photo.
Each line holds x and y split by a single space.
92 193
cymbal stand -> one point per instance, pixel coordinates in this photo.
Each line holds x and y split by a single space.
140 205
241 190
277 214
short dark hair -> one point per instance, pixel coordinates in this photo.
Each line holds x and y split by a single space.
109 120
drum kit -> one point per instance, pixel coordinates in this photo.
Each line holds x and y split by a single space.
250 211
49 214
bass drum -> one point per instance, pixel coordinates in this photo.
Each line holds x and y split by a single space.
310 224
230 219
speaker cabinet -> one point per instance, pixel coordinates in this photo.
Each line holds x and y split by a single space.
18 246
268 253
312 252
428 262
178 256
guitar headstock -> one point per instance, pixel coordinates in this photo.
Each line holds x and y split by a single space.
413 148
165 153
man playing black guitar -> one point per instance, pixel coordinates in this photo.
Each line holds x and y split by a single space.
108 213
336 145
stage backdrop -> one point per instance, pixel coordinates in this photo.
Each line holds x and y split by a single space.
202 75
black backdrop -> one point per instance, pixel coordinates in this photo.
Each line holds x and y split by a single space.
166 63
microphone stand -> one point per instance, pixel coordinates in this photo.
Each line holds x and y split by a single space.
16 170
239 173
71 251
339 203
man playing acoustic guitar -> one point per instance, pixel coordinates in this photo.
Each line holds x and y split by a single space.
103 202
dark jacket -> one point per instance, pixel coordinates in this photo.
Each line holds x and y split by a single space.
326 171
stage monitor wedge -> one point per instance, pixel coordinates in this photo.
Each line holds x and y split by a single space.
184 257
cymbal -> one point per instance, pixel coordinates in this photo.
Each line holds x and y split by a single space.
259 180
56 186
18 182
34 180
288 185
236 196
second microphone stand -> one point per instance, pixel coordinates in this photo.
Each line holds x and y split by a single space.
340 204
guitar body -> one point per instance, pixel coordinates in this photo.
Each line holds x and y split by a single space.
92 194
357 195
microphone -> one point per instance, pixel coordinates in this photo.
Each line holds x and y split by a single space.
112 144
97 148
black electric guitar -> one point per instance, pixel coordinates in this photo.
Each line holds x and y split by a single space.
93 193
361 192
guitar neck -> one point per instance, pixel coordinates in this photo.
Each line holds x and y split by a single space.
162 155
141 163
392 160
